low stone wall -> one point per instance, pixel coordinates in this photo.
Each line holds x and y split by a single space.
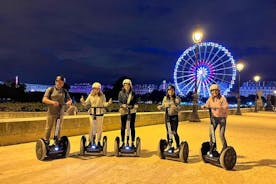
5 115
21 130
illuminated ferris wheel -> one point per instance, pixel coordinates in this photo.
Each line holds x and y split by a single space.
212 63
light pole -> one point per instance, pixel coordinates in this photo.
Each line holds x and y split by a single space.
240 67
274 99
256 78
197 37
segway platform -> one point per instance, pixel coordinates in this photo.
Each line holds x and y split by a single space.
60 149
92 148
171 153
227 159
127 150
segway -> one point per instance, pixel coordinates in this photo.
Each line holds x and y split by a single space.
92 148
59 149
167 150
226 159
127 149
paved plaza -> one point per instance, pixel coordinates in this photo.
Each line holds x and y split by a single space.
253 135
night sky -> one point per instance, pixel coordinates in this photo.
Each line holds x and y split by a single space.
89 40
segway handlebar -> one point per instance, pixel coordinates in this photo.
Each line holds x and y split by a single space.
165 108
127 106
97 107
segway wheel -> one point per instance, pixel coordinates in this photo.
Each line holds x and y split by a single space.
104 145
82 145
116 146
161 147
205 147
66 146
138 146
41 150
184 152
228 158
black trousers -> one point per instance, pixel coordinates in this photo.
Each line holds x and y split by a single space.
174 126
132 126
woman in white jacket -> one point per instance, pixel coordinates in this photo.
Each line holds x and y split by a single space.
96 98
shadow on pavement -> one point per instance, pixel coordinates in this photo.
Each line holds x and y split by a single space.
85 157
147 153
260 163
194 159
144 154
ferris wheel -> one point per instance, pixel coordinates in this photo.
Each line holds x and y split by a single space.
212 63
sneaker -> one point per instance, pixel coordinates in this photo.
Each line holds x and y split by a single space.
47 142
177 149
123 144
168 147
132 145
99 144
56 140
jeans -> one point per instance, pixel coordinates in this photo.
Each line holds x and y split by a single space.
222 122
50 123
174 126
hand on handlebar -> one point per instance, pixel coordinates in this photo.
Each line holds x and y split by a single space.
173 106
159 107
205 107
82 99
69 103
110 101
55 103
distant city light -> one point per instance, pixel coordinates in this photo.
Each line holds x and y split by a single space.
257 78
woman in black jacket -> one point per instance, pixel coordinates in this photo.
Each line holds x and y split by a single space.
127 98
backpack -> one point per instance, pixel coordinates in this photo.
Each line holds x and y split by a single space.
63 90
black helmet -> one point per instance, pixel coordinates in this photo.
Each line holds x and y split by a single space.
60 77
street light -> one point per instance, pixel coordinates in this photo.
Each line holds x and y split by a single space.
197 37
274 107
256 78
240 67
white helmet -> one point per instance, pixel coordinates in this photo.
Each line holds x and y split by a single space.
127 81
96 85
214 87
